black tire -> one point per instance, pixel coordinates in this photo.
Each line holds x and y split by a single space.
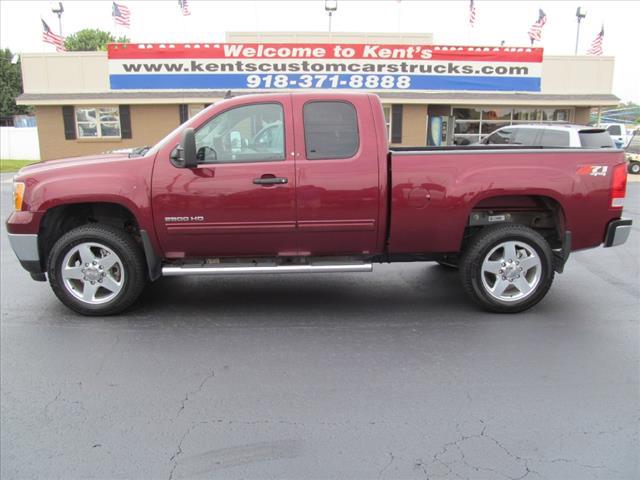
129 252
483 244
634 168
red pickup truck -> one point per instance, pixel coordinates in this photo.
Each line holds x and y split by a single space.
306 183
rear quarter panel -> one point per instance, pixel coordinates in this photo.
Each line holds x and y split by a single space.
433 193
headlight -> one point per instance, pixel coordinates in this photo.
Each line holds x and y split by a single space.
18 195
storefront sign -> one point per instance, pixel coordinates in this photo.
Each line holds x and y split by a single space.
375 67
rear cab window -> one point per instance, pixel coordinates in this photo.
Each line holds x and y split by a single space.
595 139
330 130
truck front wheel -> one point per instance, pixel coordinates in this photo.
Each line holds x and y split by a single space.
97 270
507 268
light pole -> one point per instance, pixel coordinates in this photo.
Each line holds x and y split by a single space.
58 11
330 6
580 14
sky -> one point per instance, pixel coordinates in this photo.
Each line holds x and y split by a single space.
160 21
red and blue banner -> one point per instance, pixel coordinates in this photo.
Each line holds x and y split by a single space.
253 66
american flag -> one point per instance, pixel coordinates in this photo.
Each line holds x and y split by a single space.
596 45
535 32
49 37
472 13
121 14
184 6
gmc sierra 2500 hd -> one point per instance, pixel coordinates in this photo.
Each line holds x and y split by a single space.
306 183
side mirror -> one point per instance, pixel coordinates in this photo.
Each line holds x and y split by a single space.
184 155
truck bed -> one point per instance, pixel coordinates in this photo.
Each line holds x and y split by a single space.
431 205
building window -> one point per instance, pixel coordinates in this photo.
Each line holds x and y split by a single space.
98 122
387 120
474 123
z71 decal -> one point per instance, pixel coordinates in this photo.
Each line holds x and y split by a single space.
593 170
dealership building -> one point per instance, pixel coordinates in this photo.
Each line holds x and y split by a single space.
88 102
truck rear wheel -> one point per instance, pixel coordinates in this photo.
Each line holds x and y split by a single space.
507 268
97 270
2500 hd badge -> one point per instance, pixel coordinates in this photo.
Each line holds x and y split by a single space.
197 218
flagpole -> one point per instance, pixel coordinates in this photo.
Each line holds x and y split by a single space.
469 28
58 11
185 28
117 28
579 15
115 24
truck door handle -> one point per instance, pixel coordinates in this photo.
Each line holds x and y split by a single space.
270 180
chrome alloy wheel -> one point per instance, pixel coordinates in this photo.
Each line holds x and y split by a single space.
511 271
92 273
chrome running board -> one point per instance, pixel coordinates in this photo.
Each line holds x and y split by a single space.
183 270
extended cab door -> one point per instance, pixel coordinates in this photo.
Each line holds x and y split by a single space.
240 199
338 194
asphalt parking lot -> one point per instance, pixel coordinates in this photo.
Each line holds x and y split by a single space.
393 374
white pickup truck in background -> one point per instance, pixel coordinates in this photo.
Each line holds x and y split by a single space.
620 134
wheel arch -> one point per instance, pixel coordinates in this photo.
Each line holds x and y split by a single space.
62 218
541 212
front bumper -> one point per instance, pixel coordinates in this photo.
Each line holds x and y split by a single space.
25 246
22 228
617 232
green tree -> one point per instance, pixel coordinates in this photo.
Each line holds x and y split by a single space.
10 85
91 40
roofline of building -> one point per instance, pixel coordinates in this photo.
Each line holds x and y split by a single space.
420 98
103 54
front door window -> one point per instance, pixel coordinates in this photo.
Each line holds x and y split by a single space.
251 133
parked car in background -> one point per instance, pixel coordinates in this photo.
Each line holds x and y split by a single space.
537 135
619 133
632 154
